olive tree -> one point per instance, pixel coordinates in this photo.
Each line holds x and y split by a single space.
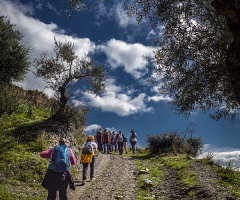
14 56
66 70
192 55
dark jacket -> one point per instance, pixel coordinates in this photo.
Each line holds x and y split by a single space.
50 177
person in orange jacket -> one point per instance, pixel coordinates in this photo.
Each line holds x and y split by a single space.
106 139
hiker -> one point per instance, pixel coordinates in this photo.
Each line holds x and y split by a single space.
106 137
58 176
89 150
112 142
133 140
119 140
98 140
125 144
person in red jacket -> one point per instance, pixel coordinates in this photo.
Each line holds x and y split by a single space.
106 139
54 181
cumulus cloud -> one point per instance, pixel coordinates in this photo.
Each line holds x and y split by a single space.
120 104
92 129
222 155
117 100
129 56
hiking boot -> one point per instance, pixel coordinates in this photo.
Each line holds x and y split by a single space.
92 179
84 181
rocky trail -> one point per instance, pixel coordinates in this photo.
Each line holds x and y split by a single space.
115 178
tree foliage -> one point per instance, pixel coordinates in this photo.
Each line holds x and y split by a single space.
70 7
66 71
14 56
191 51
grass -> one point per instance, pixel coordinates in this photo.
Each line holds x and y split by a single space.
230 178
179 163
22 169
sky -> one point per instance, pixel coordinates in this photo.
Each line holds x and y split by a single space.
108 36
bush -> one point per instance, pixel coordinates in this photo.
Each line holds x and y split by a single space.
173 142
69 115
8 101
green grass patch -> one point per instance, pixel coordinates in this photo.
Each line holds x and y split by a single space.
230 177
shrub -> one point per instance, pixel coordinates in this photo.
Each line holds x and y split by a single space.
173 142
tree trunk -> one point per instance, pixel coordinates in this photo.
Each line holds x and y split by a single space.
63 98
230 9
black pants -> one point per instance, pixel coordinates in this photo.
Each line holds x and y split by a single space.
99 145
120 147
60 183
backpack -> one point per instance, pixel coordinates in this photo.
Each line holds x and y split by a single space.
105 136
125 139
133 137
120 138
88 148
61 159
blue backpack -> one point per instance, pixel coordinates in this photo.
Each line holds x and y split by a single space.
61 159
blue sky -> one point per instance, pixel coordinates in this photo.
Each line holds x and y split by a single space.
106 34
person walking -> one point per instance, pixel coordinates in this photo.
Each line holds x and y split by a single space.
58 175
133 140
113 135
106 138
119 139
114 141
89 150
98 139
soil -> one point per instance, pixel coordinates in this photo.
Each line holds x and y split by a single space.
116 177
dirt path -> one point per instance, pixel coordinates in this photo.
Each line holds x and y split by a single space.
115 179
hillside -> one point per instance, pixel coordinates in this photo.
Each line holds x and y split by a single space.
28 131
173 177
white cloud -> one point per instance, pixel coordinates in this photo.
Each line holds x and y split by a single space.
92 129
222 155
129 56
117 100
40 37
159 98
120 104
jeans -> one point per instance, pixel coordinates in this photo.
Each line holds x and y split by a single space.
85 169
105 145
134 144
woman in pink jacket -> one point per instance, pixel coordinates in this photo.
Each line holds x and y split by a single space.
54 181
